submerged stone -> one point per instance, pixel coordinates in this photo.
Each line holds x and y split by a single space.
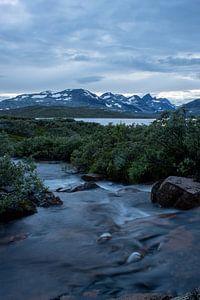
104 237
134 257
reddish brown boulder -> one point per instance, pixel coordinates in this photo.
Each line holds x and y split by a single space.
178 192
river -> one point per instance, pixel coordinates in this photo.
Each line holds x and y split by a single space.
59 252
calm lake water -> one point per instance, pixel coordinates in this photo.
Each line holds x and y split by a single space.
106 121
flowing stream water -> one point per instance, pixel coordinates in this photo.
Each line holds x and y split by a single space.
58 251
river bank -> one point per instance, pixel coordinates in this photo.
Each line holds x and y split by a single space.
57 251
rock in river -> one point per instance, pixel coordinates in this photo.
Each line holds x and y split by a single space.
45 199
178 192
104 237
78 188
134 257
92 177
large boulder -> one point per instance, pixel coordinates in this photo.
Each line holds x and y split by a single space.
178 192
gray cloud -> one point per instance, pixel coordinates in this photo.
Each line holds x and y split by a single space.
81 57
132 45
181 61
90 79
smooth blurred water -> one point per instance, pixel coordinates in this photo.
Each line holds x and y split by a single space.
64 175
61 252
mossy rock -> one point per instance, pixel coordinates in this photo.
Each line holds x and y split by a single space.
14 209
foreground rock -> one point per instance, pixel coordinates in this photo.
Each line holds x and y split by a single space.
94 295
134 257
92 177
104 237
178 192
146 296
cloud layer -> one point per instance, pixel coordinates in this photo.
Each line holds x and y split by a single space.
128 46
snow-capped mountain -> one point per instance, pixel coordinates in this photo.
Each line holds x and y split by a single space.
149 103
81 97
72 98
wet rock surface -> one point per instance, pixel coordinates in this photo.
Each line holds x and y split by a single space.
94 295
150 296
61 255
79 187
104 237
92 177
178 192
194 295
12 239
45 199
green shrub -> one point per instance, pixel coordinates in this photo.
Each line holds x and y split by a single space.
169 146
22 177
48 147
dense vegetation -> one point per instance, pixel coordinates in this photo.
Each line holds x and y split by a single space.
137 153
70 112
18 182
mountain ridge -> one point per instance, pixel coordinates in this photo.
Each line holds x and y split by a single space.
81 98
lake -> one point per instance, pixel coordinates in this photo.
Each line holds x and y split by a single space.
106 121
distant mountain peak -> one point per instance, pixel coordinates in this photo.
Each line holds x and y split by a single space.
147 97
107 94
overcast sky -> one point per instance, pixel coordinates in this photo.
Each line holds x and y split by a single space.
123 46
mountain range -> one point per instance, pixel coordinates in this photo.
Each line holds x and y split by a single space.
84 98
